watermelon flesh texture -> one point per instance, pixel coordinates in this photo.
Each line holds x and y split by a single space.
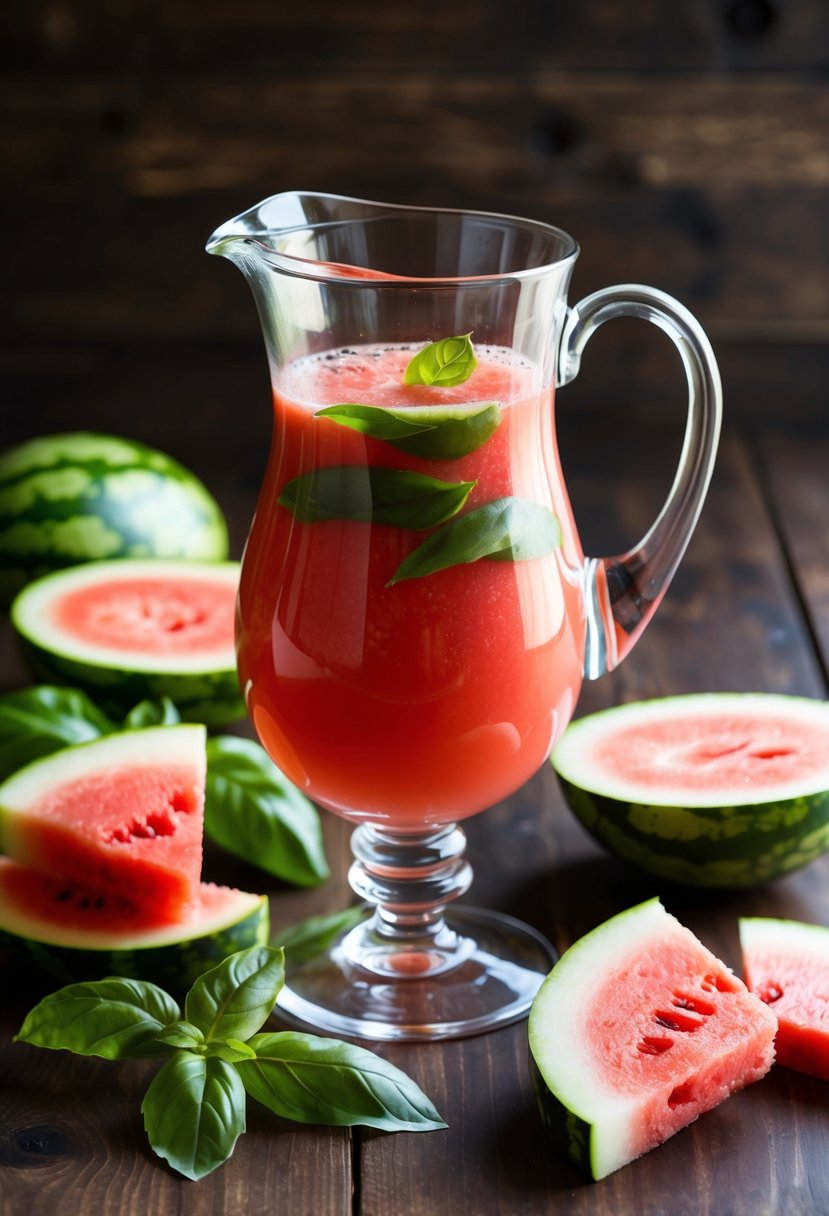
71 933
786 963
123 815
637 1031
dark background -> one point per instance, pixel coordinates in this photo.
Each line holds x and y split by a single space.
684 144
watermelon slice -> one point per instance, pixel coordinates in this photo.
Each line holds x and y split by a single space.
709 790
126 631
786 963
73 933
123 814
637 1030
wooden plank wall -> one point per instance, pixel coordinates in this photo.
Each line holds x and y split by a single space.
684 144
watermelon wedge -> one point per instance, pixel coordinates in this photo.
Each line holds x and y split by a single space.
708 790
786 963
123 814
127 631
73 933
637 1030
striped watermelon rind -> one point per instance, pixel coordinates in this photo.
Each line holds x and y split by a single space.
84 496
204 690
172 955
713 838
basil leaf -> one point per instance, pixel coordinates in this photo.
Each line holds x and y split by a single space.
374 495
194 1112
254 812
115 1018
447 362
235 998
311 937
152 713
231 1050
181 1034
319 1080
37 721
431 432
508 529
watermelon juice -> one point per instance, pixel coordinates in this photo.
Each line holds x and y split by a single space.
429 699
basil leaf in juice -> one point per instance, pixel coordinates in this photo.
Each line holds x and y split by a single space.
432 432
508 529
374 495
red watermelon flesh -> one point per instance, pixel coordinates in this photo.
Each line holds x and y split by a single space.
786 963
123 815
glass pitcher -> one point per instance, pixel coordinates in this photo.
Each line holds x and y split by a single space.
416 615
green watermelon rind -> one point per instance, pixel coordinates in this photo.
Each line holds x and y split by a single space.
209 693
172 957
84 496
754 840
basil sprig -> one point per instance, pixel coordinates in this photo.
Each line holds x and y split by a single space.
431 432
374 495
251 809
194 1109
506 529
446 362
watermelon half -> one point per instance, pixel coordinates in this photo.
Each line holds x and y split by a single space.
709 790
786 963
637 1030
123 815
72 933
83 496
127 631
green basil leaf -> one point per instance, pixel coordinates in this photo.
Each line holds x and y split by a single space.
320 1080
374 495
232 1050
311 937
254 812
181 1034
194 1112
446 363
115 1018
152 713
431 432
37 721
508 529
235 998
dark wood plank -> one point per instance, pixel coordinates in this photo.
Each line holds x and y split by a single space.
717 185
795 465
643 35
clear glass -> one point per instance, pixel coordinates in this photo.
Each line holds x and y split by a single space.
407 703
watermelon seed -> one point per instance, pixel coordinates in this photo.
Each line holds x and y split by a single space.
676 1021
651 1046
693 1004
769 993
681 1095
60 897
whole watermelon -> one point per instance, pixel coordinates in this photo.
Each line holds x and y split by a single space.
83 496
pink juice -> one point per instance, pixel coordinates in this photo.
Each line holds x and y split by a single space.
430 699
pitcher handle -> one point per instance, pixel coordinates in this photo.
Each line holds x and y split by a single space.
623 592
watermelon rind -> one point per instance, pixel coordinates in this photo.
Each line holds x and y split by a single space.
717 837
603 1127
204 685
46 951
86 496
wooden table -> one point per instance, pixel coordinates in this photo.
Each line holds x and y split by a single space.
749 609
